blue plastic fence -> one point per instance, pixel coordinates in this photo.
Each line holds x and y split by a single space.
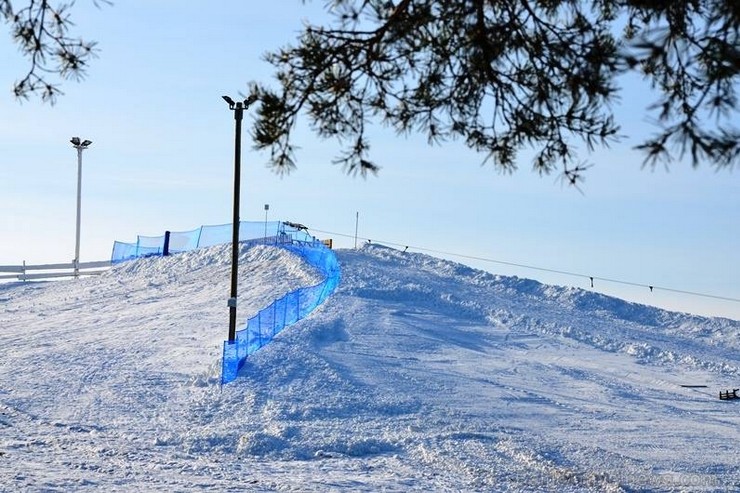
294 306
269 321
205 236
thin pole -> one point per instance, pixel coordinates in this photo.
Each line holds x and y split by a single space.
357 220
79 200
238 114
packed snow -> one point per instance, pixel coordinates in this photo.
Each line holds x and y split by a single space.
418 374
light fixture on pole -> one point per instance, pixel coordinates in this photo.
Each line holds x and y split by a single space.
80 146
267 208
238 109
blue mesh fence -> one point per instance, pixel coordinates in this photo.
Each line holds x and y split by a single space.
205 236
268 322
128 251
294 306
183 241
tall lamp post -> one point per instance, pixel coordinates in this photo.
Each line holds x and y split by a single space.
267 208
238 109
80 146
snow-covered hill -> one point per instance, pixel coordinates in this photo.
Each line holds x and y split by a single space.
418 375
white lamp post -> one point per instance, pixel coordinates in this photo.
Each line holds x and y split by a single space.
80 146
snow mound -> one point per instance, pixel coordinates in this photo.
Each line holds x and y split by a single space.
418 374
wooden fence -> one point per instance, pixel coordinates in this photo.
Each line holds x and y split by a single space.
49 271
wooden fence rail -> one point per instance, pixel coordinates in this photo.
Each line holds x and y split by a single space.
48 271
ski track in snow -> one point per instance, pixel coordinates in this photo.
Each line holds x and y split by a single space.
418 374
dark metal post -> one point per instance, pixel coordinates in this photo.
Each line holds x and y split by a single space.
238 115
238 109
166 246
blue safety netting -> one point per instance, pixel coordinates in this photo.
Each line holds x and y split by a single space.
269 321
205 236
294 306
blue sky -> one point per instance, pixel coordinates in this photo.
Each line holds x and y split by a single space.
162 158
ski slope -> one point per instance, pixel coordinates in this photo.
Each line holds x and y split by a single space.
418 374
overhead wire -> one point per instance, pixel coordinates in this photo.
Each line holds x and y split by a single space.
537 268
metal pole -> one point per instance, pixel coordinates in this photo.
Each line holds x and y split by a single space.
79 200
357 220
238 115
267 208
80 146
238 109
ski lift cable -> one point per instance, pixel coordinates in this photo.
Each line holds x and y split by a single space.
542 269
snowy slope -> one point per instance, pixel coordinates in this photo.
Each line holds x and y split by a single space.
418 375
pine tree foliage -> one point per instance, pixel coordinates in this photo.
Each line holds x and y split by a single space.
508 75
41 30
502 76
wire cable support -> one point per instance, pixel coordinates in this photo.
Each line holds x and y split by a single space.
541 269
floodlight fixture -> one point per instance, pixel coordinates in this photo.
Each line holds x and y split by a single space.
251 99
77 144
230 101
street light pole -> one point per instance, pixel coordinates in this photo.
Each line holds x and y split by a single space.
267 208
80 146
238 109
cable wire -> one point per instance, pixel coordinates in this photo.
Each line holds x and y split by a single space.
541 269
